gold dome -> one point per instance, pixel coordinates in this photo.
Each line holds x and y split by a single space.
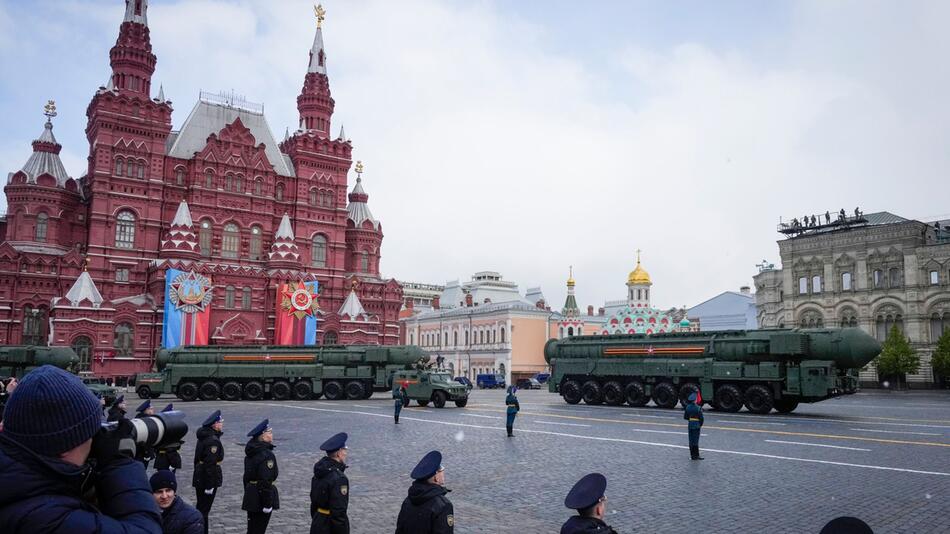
639 274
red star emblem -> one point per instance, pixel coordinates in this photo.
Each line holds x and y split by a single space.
300 301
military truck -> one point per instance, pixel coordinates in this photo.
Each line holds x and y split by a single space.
424 386
760 369
18 360
253 372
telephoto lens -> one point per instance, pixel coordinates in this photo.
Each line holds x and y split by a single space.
160 429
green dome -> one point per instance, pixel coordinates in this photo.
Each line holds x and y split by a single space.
684 322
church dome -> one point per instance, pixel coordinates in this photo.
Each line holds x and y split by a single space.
639 275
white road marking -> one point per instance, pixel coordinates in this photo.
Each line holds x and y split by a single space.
362 406
483 416
619 440
893 432
817 445
749 422
562 424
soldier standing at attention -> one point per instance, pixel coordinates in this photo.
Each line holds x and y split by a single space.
694 414
260 472
587 497
400 398
513 407
426 510
117 411
144 453
330 489
209 453
168 457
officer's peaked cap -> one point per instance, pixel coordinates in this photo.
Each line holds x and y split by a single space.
692 397
586 492
213 418
119 400
262 427
428 466
144 406
335 443
168 408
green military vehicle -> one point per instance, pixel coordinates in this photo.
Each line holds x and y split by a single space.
253 372
424 386
99 387
18 360
760 369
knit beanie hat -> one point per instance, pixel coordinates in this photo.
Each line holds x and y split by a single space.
51 412
163 478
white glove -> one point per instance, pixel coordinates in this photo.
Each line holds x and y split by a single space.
267 510
209 491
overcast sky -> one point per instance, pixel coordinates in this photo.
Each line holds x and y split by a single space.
524 137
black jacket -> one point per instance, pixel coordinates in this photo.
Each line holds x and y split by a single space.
260 472
208 457
426 511
182 518
168 457
329 498
43 494
115 413
586 525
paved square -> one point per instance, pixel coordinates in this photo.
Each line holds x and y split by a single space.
882 457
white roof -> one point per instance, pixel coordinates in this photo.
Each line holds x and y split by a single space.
352 306
359 210
182 216
84 289
209 118
285 230
315 54
43 162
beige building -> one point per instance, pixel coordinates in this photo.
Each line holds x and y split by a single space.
871 271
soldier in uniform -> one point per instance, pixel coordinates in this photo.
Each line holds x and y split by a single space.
513 407
117 410
209 453
144 453
260 472
168 456
587 497
400 398
694 415
330 489
426 510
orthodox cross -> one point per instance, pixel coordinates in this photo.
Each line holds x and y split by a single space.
638 255
359 170
49 110
320 13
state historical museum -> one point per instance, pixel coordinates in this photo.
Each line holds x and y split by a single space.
83 261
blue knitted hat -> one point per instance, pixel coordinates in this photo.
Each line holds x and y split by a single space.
51 412
163 478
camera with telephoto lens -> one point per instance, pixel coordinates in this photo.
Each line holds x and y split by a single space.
159 430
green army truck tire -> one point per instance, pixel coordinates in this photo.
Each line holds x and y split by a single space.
613 393
303 390
144 392
231 391
592 393
423 403
460 403
280 390
438 399
571 391
758 399
209 391
786 405
355 390
686 390
664 395
333 390
253 390
728 398
188 391
635 394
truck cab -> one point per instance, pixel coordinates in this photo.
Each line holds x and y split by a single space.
432 386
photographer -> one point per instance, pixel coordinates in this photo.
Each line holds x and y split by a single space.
54 477
168 456
117 410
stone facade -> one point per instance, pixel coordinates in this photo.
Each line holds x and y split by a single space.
887 271
263 213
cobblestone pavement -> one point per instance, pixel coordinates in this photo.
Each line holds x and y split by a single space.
882 457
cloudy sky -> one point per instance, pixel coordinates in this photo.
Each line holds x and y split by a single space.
524 137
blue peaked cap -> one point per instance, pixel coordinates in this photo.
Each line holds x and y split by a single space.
144 406
168 408
118 400
692 397
213 418
335 443
428 466
259 429
586 492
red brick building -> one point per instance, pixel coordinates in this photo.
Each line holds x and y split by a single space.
82 261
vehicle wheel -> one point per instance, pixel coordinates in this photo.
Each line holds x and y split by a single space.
613 394
664 395
461 402
231 391
254 390
369 390
209 391
592 393
280 390
571 391
188 391
333 390
635 394
686 390
758 399
303 390
786 405
423 403
354 391
144 392
438 399
728 398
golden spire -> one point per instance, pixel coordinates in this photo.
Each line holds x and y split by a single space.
359 170
49 109
639 274
320 13
570 278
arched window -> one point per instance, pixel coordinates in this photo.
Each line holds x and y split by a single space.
466 338
455 338
938 324
41 222
82 346
125 230
878 278
246 298
239 184
934 278
204 237
894 277
313 197
570 331
119 165
209 179
364 262
846 281
503 334
255 243
258 186
122 340
229 297
816 284
279 192
481 337
130 168
227 182
318 251
330 338
35 321
231 241
179 176
141 171
802 285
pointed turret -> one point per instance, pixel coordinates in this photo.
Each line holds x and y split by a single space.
570 305
84 289
132 60
358 209
136 11
181 241
161 94
284 249
45 157
314 103
352 308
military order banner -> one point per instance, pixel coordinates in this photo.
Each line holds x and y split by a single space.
295 321
187 309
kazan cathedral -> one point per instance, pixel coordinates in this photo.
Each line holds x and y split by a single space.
83 260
